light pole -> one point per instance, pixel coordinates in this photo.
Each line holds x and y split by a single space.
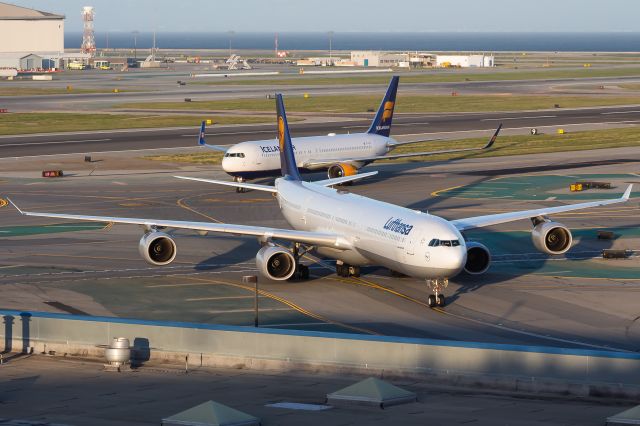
330 47
231 33
253 279
135 43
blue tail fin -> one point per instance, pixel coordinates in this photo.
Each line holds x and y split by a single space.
287 157
201 141
382 122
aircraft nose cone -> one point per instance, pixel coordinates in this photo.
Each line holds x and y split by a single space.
225 164
456 260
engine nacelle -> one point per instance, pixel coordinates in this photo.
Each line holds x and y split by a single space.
551 237
478 258
157 248
275 263
340 170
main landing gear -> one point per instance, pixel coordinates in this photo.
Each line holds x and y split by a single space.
239 179
346 271
302 271
437 285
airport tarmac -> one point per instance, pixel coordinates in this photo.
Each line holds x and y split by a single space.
577 300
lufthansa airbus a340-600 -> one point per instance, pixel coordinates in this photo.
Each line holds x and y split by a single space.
340 155
354 230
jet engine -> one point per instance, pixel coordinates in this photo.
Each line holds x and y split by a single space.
551 237
157 248
340 170
478 258
275 263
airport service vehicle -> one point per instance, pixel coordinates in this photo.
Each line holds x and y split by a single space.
341 155
76 66
352 229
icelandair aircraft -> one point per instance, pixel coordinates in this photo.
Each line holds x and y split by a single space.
354 230
340 155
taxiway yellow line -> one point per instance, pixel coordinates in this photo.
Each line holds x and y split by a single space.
288 303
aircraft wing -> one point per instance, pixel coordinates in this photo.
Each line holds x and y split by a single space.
314 238
316 164
269 188
494 219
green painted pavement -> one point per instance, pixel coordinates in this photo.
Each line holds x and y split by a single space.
16 231
541 187
519 242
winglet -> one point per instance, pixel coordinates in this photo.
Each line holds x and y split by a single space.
201 140
627 193
493 138
287 157
16 207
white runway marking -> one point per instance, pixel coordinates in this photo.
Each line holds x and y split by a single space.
519 118
620 112
52 143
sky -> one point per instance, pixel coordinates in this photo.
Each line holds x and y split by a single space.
350 15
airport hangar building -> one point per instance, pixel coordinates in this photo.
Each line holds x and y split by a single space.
28 37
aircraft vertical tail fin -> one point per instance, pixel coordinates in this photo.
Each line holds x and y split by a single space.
381 124
201 140
288 165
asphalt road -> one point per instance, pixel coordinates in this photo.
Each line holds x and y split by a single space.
414 126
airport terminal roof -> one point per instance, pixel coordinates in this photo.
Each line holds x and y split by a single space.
13 12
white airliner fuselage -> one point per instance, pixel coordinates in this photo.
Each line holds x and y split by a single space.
256 159
380 233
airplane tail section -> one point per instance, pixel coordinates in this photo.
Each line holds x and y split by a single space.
201 140
381 124
287 157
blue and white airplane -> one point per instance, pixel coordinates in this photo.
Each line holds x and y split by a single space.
353 229
340 155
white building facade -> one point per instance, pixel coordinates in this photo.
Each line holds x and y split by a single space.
29 30
465 61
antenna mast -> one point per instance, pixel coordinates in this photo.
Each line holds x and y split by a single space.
88 35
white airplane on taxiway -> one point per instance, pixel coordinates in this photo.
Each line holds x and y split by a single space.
340 155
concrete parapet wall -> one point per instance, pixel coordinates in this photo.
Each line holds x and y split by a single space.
511 367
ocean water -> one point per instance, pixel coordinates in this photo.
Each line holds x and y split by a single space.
475 42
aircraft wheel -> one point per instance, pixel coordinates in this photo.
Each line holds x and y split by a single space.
441 301
304 272
354 271
431 301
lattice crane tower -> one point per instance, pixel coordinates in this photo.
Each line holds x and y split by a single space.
88 36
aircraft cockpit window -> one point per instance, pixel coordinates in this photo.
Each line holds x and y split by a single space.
234 154
446 243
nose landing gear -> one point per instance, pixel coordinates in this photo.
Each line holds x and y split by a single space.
437 285
239 179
